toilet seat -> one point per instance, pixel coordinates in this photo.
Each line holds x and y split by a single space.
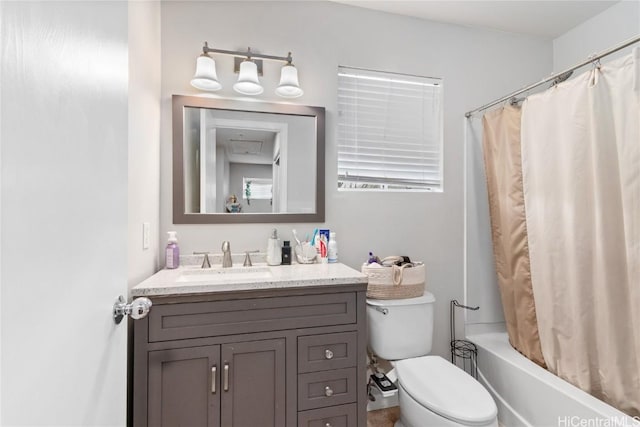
446 390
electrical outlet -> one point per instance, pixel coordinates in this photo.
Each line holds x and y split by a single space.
146 231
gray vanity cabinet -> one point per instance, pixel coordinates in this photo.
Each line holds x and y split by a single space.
238 384
264 358
255 395
183 386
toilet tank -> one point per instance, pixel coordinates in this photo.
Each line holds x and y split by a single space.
402 328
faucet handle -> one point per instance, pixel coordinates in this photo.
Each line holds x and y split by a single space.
205 261
247 257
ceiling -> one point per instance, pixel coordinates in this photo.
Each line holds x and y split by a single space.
543 18
247 145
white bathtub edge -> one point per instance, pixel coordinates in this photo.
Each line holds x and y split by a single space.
497 344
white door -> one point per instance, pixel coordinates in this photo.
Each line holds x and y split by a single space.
63 230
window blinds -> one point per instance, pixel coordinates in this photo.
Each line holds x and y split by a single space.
258 188
389 131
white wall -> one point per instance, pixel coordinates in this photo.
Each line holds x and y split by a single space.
609 28
144 137
476 65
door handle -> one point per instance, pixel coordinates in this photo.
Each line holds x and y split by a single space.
226 377
137 309
214 370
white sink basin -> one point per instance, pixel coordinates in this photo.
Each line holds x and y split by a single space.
224 275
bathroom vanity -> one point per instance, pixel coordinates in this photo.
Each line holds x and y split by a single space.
252 347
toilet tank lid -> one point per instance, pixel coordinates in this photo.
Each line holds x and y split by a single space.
427 298
447 390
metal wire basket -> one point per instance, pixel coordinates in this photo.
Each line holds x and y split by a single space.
464 353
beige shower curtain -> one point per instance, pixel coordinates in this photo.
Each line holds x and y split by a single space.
581 173
503 170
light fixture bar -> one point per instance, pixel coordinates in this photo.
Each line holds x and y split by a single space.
249 67
247 53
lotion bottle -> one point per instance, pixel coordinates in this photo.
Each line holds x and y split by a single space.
274 251
172 253
333 248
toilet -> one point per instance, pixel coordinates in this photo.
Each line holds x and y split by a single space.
431 390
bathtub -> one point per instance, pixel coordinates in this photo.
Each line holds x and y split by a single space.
528 395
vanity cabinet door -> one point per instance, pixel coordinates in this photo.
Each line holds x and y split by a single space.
253 383
184 387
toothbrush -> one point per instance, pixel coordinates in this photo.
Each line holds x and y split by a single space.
295 236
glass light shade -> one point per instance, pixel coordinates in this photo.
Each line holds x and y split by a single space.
289 86
248 83
206 77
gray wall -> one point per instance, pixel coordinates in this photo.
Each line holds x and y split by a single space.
612 26
476 66
481 280
144 138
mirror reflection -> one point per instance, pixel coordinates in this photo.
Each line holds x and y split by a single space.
238 163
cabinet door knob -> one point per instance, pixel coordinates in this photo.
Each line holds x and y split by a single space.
328 354
328 425
328 392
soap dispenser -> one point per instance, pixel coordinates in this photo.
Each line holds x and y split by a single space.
274 251
172 252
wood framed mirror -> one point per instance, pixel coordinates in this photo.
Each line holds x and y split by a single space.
247 162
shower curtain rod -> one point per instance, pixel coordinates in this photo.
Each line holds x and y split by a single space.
591 59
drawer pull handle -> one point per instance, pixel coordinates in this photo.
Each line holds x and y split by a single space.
328 392
328 354
214 370
226 377
328 425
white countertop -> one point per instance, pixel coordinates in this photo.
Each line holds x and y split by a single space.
192 279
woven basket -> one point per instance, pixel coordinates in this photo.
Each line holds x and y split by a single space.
409 282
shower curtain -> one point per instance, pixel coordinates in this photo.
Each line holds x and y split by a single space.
503 170
566 227
581 175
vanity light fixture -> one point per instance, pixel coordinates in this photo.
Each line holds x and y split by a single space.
248 82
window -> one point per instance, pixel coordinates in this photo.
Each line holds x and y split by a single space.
389 131
257 188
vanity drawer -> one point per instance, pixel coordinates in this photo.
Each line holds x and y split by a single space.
326 388
216 318
327 351
334 416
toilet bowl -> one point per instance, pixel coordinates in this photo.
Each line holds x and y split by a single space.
434 392
431 391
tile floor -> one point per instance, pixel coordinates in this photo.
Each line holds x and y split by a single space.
386 417
383 417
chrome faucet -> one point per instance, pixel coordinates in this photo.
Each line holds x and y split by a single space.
226 254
